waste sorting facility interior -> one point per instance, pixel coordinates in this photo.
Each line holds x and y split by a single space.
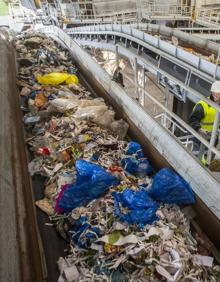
30 243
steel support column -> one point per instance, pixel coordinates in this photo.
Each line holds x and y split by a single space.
213 136
136 77
116 56
141 92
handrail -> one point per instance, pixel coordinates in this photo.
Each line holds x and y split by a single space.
207 144
210 16
182 57
195 93
164 117
212 148
137 10
187 88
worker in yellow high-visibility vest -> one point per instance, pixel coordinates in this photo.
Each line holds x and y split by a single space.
203 115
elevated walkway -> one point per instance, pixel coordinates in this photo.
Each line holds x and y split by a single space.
182 65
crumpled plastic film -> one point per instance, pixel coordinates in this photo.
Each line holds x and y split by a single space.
92 182
56 78
169 187
142 209
62 105
90 112
134 162
138 167
136 149
120 128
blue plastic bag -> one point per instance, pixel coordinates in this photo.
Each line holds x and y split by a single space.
142 209
137 167
136 164
135 148
83 234
169 187
92 182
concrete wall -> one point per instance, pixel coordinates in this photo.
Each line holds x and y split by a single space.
210 2
101 7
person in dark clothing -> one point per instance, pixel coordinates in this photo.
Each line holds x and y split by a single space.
197 115
203 115
118 76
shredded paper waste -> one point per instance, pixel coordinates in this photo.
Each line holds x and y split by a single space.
119 217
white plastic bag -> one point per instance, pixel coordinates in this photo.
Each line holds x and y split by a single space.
119 128
106 119
91 112
87 103
62 105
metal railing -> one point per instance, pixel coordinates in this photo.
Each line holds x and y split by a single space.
210 145
202 30
170 121
20 14
122 11
161 47
173 126
208 17
170 124
172 10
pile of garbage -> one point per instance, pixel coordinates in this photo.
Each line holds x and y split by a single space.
120 219
211 58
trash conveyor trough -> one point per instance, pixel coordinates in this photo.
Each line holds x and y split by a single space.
18 214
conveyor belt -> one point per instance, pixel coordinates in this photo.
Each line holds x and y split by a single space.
21 251
193 71
165 31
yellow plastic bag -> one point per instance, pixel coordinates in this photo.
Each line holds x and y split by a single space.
56 78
